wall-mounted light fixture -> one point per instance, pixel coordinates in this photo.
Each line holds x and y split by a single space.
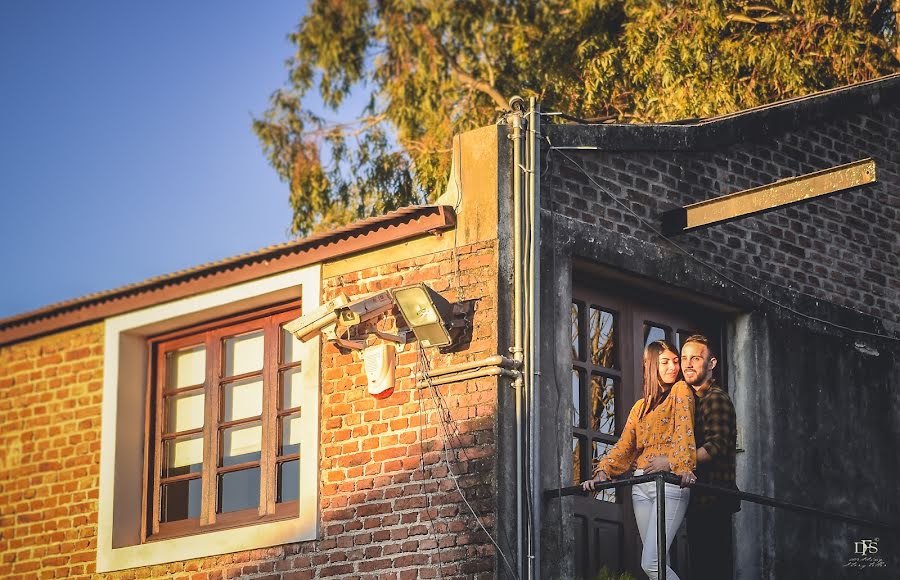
431 317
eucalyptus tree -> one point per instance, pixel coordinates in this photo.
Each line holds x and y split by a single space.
433 68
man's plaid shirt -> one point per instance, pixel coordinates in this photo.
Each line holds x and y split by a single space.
716 431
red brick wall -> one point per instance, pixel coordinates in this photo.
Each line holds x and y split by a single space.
375 497
50 392
382 516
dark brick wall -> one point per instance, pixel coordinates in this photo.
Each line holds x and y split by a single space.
842 249
820 413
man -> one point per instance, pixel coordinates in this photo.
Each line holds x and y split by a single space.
709 516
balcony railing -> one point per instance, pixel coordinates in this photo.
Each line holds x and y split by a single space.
662 478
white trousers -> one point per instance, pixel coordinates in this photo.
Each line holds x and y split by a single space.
644 500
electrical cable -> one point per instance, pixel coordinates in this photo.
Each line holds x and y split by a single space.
422 454
709 267
449 444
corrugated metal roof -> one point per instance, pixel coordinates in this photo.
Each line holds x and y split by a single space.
336 237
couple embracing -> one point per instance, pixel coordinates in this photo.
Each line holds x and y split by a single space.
684 424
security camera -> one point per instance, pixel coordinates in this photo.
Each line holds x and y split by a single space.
365 308
309 325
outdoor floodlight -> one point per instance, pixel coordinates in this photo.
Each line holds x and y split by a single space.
434 320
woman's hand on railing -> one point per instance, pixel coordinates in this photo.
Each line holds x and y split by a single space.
599 477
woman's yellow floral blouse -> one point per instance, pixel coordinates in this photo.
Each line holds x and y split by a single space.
667 430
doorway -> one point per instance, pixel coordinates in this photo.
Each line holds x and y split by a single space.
609 331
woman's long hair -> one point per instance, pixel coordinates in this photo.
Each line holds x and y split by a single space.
654 389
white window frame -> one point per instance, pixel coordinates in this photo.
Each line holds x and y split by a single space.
123 416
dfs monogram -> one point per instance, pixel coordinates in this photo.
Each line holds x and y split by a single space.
866 547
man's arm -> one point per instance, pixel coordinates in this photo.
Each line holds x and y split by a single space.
703 456
718 426
661 462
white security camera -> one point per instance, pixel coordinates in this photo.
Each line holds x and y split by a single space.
339 312
309 325
365 308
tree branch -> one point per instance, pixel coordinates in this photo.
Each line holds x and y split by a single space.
362 125
486 60
466 78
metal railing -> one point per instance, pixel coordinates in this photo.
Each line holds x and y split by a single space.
664 477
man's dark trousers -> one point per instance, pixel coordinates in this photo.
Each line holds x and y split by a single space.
710 543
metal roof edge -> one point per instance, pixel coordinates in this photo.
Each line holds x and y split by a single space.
403 223
744 125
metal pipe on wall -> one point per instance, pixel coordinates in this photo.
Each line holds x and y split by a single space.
459 377
493 360
534 328
517 350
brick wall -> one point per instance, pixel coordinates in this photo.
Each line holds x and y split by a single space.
389 508
789 378
50 454
841 249
380 511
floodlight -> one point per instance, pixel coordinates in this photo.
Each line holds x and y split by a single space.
434 320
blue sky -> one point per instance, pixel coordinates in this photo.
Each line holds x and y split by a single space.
126 148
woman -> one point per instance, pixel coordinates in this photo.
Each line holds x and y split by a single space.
660 424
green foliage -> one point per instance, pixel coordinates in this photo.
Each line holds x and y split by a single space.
435 68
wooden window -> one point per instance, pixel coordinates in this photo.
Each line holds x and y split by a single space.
224 425
596 374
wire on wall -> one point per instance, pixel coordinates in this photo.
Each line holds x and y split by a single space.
424 488
447 424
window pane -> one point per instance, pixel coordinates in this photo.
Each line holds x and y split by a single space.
238 490
291 388
683 335
242 399
244 354
599 449
290 435
576 398
182 455
186 367
290 347
241 444
654 332
576 331
576 461
604 350
184 412
288 481
180 500
603 404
